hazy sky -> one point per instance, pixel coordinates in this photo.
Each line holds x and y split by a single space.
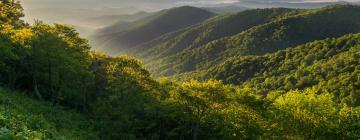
126 3
75 11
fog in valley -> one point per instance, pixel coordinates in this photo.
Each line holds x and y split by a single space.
89 15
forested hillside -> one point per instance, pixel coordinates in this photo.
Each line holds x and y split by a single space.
53 86
152 27
328 65
24 118
289 30
212 29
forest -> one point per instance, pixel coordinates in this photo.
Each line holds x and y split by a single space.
258 74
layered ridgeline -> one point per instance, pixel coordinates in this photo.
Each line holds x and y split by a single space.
210 30
106 20
246 33
328 65
71 92
226 9
253 32
149 28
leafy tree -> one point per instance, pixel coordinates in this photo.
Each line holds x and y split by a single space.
11 12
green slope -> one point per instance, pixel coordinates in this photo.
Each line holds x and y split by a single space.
330 65
24 118
288 31
122 23
109 20
212 29
154 26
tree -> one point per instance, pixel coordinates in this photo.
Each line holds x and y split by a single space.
11 12
202 100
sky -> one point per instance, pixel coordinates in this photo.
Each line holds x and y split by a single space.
121 3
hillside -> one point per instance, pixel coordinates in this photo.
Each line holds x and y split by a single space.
24 118
107 20
210 30
121 22
327 64
288 31
143 31
289 4
226 9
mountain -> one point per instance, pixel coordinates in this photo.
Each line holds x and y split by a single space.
226 9
124 23
330 64
106 20
288 3
85 20
205 32
290 30
143 31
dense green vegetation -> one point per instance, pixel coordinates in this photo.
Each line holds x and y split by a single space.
71 92
329 65
212 29
23 118
253 32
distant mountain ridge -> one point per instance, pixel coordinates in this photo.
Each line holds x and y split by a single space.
212 40
154 26
209 30
104 21
291 29
226 9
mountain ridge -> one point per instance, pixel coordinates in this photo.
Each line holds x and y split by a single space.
164 22
286 32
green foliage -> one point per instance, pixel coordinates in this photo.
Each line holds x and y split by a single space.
329 65
48 60
211 29
254 32
11 12
23 118
307 115
124 96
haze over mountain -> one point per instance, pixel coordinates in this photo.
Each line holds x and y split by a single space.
78 12
166 21
224 36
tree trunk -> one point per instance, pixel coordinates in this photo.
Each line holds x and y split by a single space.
36 89
53 95
12 80
196 131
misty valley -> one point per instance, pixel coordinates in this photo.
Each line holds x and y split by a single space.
179 70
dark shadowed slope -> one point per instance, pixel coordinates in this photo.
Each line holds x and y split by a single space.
212 29
159 24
